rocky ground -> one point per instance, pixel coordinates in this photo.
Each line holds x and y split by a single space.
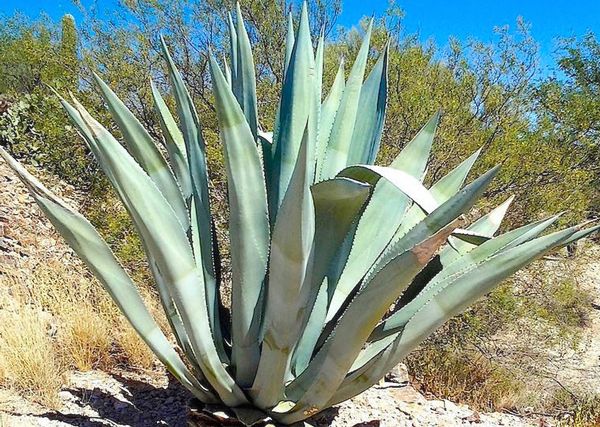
99 399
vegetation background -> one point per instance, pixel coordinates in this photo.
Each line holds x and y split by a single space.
543 128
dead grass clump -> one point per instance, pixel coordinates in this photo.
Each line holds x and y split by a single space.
85 340
133 350
28 362
94 333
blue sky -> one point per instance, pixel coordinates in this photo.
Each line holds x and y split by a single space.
549 19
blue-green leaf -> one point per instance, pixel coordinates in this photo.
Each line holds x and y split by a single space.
338 148
338 203
202 239
289 282
297 100
369 123
143 149
154 219
329 110
95 253
329 367
244 81
174 143
450 301
248 227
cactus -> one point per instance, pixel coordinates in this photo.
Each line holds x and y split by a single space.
323 243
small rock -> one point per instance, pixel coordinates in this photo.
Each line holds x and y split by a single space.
398 375
473 418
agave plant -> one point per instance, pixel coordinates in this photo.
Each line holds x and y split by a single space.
339 268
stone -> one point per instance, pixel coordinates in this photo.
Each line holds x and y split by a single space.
398 375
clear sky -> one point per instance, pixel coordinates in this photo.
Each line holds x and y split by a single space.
430 18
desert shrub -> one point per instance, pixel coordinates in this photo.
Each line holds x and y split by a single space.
466 376
578 412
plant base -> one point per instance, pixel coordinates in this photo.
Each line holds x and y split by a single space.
202 415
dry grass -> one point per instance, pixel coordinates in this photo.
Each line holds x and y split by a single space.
467 378
58 319
133 349
28 362
85 340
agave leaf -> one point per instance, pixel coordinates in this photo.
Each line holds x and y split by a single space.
319 69
433 223
337 151
447 186
174 143
233 46
267 148
227 71
398 320
143 149
580 235
329 110
201 230
484 227
297 101
95 253
448 302
248 227
312 330
460 203
329 367
488 224
413 157
244 82
154 218
369 123
406 183
265 140
315 114
441 191
386 332
440 217
337 203
390 199
163 290
289 43
289 280
387 205
468 236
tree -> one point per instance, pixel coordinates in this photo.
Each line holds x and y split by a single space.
569 107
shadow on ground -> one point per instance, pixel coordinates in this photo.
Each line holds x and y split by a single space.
146 405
